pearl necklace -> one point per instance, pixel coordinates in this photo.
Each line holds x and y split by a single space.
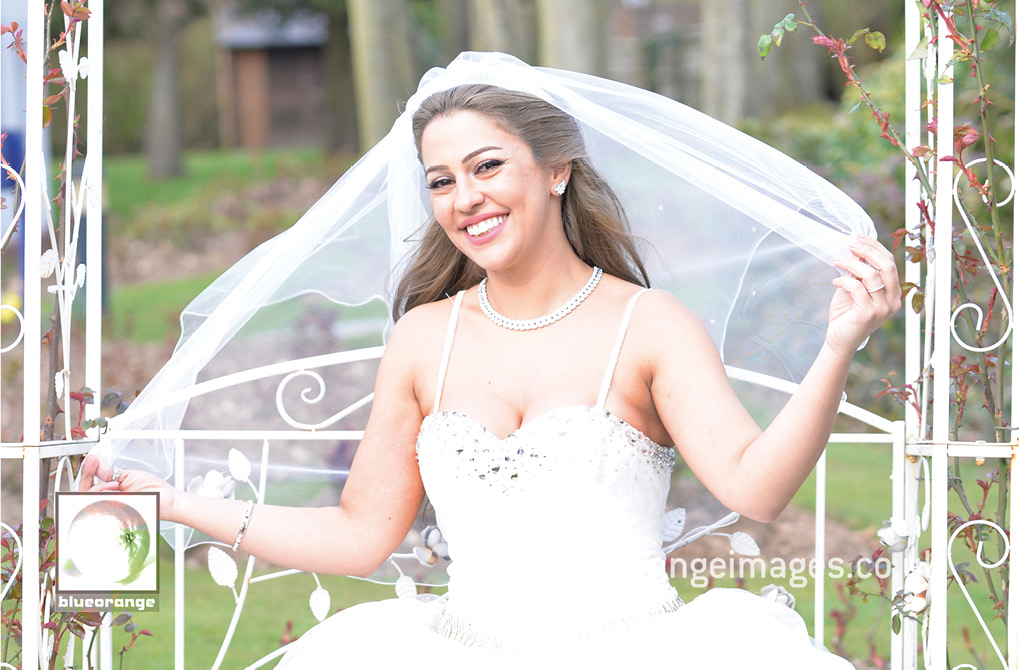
542 321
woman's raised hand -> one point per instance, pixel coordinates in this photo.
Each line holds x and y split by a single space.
97 476
868 294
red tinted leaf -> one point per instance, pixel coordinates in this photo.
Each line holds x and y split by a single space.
76 11
964 135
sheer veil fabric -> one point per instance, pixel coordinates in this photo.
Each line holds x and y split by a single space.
742 234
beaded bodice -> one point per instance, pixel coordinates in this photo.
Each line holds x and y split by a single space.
568 506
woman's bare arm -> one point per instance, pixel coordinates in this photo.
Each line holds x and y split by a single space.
752 472
380 499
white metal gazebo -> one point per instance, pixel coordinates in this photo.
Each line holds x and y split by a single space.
920 445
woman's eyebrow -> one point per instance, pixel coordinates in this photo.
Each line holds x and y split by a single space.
466 158
476 152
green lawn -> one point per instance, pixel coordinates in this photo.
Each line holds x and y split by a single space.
858 490
151 312
269 606
858 487
128 187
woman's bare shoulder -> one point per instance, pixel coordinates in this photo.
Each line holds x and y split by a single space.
420 329
663 324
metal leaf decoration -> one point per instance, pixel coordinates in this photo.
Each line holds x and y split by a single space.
320 603
240 466
743 544
673 524
222 568
405 587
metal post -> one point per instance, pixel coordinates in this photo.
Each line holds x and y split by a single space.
820 513
937 640
94 209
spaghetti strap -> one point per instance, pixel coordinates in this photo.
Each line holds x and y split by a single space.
447 347
603 394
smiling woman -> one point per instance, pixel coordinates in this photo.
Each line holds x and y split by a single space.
542 148
534 387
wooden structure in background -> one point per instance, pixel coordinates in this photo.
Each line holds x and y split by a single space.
271 85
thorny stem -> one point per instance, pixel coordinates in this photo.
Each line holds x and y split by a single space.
985 126
955 483
992 202
974 331
996 399
921 171
994 391
1000 514
13 615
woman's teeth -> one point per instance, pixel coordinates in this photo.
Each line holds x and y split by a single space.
483 227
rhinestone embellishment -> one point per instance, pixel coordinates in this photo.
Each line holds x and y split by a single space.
541 321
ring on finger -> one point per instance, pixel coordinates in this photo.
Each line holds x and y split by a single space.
115 477
876 289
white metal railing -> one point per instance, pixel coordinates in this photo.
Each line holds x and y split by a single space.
60 275
888 432
919 466
930 341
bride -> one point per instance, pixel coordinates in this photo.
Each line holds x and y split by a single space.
533 386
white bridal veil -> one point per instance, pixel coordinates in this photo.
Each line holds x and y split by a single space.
741 233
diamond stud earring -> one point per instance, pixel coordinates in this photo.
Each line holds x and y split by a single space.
559 188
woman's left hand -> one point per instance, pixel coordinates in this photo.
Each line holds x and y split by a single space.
867 295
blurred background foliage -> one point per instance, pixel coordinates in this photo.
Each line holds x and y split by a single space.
288 92
226 119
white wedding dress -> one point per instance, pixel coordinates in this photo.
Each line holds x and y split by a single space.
522 594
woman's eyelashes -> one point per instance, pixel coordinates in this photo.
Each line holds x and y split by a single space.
487 165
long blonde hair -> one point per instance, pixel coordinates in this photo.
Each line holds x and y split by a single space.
593 219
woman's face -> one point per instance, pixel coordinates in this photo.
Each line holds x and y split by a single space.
494 202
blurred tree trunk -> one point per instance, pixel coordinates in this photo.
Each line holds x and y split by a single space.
162 133
572 34
735 82
340 101
454 27
509 26
384 66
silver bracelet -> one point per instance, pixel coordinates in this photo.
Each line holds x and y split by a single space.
244 523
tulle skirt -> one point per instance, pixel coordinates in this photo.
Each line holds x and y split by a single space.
721 629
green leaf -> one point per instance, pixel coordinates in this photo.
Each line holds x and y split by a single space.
875 40
917 302
857 35
896 623
946 79
920 51
856 106
788 23
1002 17
76 629
110 399
764 46
776 35
92 619
990 40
